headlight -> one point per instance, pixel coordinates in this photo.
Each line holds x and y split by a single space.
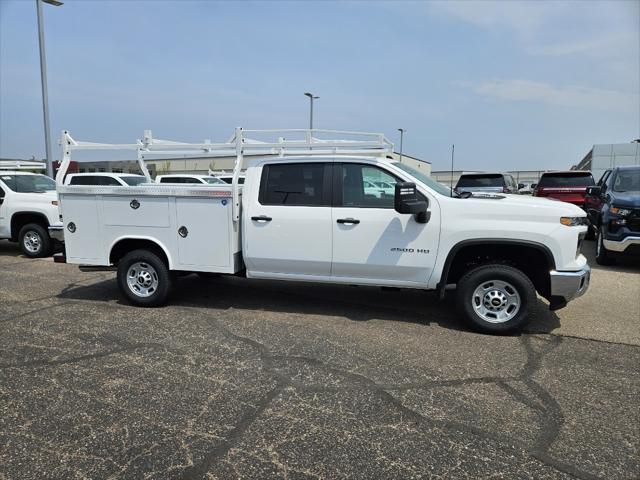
574 221
623 212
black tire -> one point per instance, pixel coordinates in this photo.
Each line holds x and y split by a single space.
603 256
35 241
491 275
152 270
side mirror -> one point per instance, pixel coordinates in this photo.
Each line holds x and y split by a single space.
594 191
406 201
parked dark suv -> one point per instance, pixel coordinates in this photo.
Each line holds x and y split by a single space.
613 206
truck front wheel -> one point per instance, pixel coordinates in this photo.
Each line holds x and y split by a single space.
34 241
144 278
496 298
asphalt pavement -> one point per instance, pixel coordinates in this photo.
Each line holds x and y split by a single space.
252 379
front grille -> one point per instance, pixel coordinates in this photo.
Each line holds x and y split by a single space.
633 221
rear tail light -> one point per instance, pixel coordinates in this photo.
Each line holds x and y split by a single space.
505 190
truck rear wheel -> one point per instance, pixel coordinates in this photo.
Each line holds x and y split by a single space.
495 298
34 241
144 278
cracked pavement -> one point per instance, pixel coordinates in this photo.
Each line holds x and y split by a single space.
247 379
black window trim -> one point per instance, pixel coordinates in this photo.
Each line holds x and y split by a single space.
326 184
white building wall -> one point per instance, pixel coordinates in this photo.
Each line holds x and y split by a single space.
606 156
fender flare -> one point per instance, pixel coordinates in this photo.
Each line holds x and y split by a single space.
142 237
488 241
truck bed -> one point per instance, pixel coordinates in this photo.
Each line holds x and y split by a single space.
192 224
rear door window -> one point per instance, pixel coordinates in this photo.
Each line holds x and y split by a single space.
490 180
84 180
295 184
566 180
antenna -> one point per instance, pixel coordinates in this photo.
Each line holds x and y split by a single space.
453 149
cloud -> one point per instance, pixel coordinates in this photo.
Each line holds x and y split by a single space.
573 96
597 29
523 17
605 45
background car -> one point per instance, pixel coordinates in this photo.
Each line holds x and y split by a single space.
190 179
486 183
105 178
570 186
229 178
526 188
614 211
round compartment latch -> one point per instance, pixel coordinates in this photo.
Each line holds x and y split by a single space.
183 232
135 204
71 227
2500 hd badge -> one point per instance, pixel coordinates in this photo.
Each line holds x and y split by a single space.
409 250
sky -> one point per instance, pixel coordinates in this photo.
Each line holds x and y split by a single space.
514 85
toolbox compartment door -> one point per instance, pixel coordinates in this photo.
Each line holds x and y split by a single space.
203 233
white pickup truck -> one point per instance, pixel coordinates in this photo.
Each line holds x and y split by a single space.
304 214
29 211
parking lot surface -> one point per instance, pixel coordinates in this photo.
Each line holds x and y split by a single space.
247 379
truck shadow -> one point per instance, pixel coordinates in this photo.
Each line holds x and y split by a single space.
10 249
358 304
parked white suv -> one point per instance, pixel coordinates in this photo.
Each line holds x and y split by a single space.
29 212
189 179
105 178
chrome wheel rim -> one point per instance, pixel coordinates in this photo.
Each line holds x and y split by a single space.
32 241
496 301
142 279
599 243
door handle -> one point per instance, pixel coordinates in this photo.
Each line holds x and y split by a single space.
261 218
351 221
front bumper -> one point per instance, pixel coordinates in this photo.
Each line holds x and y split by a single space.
620 245
57 232
570 285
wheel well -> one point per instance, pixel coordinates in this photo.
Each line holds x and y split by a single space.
19 220
122 247
534 261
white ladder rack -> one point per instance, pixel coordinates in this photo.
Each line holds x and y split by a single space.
278 142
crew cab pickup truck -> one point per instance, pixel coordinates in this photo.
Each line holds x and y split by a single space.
613 207
29 212
309 218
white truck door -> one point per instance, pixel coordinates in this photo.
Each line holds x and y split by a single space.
373 242
287 225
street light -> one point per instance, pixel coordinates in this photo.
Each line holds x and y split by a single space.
43 78
401 130
311 99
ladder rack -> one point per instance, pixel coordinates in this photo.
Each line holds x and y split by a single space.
266 142
22 165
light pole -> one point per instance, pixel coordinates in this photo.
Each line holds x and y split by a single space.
43 78
401 130
311 99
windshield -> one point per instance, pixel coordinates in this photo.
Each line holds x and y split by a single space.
627 181
133 181
29 183
566 180
429 182
491 180
213 180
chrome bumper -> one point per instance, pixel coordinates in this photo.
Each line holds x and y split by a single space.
620 246
570 285
57 232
